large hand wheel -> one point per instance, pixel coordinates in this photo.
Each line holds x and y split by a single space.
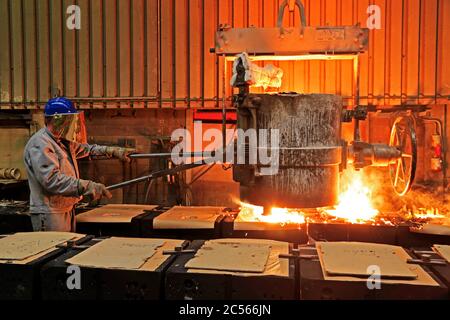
403 171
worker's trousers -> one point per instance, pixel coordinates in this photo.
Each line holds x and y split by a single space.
63 222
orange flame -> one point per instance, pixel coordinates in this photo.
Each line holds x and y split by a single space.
427 213
354 203
251 213
354 206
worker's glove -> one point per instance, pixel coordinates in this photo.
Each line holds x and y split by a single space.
120 153
94 191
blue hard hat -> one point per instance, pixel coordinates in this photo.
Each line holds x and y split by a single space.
59 105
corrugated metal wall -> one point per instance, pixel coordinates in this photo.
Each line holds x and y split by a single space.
155 53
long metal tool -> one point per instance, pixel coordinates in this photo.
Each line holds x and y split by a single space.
162 173
166 155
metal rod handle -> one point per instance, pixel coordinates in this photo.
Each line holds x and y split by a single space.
161 173
165 155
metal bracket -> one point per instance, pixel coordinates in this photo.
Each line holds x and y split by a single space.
178 251
421 252
73 244
428 262
358 113
425 258
291 4
296 256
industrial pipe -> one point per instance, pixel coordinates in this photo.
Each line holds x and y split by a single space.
362 154
10 173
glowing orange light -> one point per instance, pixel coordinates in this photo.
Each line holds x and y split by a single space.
427 213
354 202
251 213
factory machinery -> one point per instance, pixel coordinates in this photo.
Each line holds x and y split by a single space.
312 153
215 252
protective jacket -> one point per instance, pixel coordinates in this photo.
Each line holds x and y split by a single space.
53 174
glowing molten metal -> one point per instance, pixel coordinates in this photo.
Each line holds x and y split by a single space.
354 206
251 213
424 213
354 202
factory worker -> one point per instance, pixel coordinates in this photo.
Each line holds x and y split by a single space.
51 162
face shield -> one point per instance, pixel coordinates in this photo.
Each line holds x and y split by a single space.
70 127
